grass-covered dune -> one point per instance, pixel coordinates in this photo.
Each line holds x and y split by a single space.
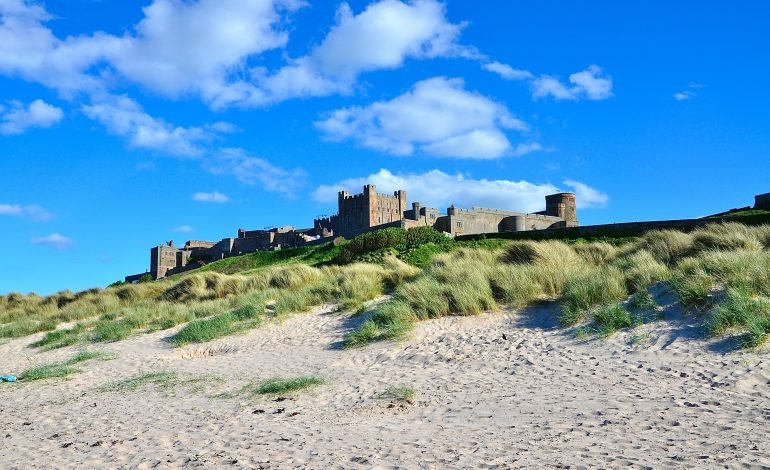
721 271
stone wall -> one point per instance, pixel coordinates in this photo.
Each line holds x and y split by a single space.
478 220
762 201
361 213
162 259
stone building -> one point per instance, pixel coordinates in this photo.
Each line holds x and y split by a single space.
762 201
561 211
360 213
371 210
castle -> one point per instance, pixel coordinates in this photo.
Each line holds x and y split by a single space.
357 214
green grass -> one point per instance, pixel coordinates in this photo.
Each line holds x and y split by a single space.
639 338
405 394
62 369
207 329
161 378
590 288
279 385
465 276
60 338
48 371
611 318
642 300
757 333
311 255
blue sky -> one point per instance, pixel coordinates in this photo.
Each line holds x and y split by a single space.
127 123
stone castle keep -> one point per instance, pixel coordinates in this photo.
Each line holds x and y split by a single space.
357 214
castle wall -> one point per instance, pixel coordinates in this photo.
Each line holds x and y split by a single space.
476 220
361 213
762 201
162 259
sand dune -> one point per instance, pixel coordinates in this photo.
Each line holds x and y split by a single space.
501 390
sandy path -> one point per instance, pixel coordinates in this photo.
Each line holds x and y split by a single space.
536 398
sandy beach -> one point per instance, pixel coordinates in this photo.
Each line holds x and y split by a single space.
501 390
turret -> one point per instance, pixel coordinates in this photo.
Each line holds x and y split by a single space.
562 205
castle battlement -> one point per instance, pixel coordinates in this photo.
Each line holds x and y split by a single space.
360 213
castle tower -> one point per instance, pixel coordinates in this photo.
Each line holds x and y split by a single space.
562 205
370 196
762 201
401 196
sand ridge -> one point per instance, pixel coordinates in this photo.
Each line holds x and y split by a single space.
500 390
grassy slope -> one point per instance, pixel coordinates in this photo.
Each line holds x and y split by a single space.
591 279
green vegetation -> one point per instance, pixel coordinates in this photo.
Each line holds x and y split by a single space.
722 270
62 369
216 305
405 394
278 385
207 329
591 280
162 379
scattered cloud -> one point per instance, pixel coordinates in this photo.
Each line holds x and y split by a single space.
201 47
591 83
437 117
689 93
253 170
438 189
176 48
383 36
20 118
55 240
587 196
204 49
507 72
184 228
32 212
125 117
215 197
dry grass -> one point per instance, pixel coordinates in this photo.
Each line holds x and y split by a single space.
584 277
590 279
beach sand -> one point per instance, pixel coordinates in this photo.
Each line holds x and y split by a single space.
500 390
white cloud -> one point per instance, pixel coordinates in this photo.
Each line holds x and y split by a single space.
123 116
383 36
200 47
54 240
20 118
33 212
30 50
183 229
204 48
591 83
215 197
177 48
507 72
253 170
436 117
438 189
688 93
587 196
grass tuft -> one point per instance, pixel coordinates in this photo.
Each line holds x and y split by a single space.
406 394
277 385
62 369
611 318
159 378
590 288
